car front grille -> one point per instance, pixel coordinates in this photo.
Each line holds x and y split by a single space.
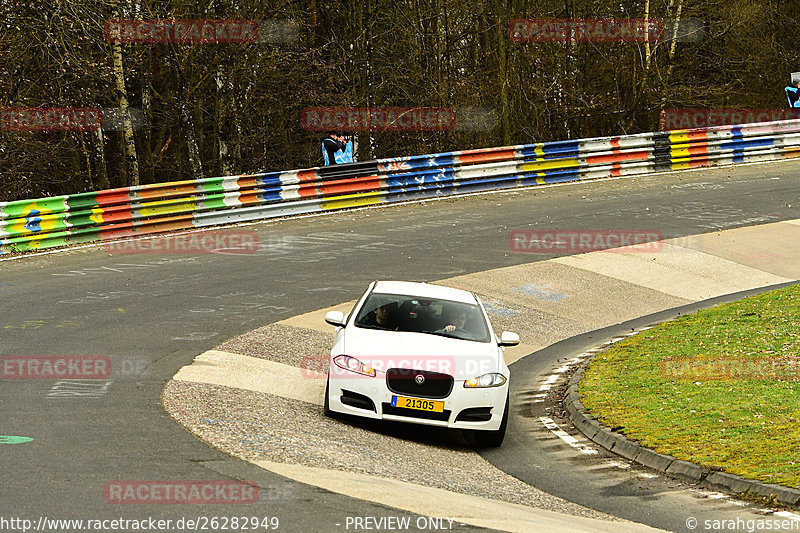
419 383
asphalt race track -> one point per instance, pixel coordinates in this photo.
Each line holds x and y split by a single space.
151 313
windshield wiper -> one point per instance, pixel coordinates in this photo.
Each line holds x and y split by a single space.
441 334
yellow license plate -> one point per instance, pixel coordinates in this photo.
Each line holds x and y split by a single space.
418 404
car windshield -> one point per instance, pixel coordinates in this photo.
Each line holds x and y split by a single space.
447 318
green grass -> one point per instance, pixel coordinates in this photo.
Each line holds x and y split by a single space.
720 388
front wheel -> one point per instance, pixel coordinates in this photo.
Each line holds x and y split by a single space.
491 439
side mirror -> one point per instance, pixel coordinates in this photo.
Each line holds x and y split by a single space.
335 318
508 338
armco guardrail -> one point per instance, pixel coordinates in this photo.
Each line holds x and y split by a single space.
109 214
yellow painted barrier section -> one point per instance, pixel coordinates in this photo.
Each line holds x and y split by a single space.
167 207
679 138
352 200
97 215
550 164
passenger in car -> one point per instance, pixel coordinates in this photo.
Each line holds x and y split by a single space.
383 317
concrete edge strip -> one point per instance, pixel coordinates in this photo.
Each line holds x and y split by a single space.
215 367
624 447
435 502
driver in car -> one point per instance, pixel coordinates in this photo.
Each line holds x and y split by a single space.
457 321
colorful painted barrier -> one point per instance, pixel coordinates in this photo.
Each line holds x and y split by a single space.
27 225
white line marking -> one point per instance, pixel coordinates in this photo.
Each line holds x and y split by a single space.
539 398
548 383
566 437
74 388
789 515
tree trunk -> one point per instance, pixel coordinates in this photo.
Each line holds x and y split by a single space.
312 21
675 25
187 120
87 159
224 166
100 159
647 35
366 81
127 125
147 121
501 26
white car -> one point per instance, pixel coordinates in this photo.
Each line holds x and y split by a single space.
420 353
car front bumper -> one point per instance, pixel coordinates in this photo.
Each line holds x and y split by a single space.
358 395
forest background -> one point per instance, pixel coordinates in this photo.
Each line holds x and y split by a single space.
215 109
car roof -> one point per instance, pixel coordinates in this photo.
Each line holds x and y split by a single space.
423 290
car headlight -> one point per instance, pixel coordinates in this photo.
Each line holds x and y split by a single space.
485 381
354 365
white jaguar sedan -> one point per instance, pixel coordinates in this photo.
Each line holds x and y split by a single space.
420 353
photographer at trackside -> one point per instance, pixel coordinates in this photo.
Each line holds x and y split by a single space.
337 149
793 95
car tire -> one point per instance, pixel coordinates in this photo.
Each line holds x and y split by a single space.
493 438
326 404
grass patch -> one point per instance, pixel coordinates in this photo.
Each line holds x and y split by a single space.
720 388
